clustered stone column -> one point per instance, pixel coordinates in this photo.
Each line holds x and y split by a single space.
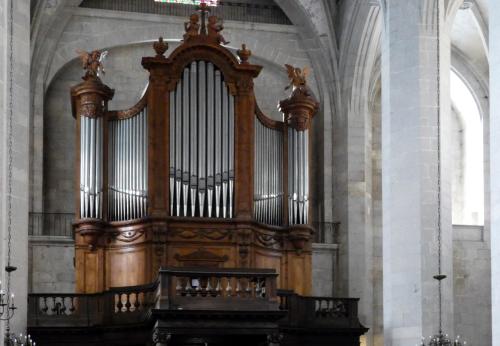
411 85
494 32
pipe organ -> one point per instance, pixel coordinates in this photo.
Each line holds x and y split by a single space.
193 175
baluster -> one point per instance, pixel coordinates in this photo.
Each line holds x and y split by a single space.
189 288
258 288
209 287
218 288
229 289
137 303
248 290
178 288
54 305
72 308
119 305
127 304
63 308
238 287
45 306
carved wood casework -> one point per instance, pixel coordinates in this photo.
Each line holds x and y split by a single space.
194 174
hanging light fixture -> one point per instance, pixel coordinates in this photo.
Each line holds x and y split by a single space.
7 306
440 339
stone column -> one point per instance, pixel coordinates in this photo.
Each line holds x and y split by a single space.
494 17
410 169
20 153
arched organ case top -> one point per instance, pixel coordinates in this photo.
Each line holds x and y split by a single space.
201 144
193 174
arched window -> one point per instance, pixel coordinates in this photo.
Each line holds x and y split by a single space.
467 146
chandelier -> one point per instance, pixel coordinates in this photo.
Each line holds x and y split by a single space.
21 340
439 339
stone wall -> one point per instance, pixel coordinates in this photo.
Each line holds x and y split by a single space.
20 126
472 285
52 267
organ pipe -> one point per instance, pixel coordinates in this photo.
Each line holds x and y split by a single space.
298 176
268 175
127 170
202 140
91 139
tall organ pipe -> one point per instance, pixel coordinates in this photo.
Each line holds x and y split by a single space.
298 176
204 117
91 142
268 174
127 173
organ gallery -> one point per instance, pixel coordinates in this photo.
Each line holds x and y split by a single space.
192 207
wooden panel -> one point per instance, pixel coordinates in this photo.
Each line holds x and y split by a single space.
127 267
299 273
90 279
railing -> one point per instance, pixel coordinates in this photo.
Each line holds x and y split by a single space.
51 224
229 10
118 306
319 312
181 290
177 289
223 289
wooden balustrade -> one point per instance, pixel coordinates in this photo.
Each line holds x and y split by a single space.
220 289
319 312
116 306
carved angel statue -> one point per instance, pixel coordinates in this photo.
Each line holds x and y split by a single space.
92 62
215 27
298 77
192 27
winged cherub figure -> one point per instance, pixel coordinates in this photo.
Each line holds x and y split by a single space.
298 77
92 62
192 27
215 27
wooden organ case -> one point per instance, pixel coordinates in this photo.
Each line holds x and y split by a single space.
193 175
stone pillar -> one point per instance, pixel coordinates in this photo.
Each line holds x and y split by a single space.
20 153
494 8
410 169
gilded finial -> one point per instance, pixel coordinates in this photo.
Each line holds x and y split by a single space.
244 54
160 47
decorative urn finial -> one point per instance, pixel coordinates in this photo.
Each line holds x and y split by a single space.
244 54
160 47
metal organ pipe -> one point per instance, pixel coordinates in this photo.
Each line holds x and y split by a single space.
268 175
298 176
127 173
91 134
202 140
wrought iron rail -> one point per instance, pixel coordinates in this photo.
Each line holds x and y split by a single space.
229 10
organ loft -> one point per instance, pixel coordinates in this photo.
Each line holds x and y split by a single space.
192 209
